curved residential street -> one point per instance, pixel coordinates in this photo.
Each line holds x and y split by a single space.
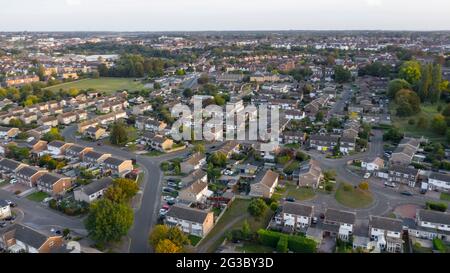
385 199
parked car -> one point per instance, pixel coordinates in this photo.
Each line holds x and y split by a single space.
169 198
166 207
366 175
314 220
290 199
173 180
171 202
407 193
169 190
163 212
172 184
13 181
322 216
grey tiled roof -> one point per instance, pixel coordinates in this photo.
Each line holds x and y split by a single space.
297 209
340 216
187 213
385 223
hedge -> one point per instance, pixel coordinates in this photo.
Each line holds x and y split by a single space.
301 244
439 245
268 237
282 246
295 243
437 206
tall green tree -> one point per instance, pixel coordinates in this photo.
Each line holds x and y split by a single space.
435 91
108 221
425 83
119 134
397 85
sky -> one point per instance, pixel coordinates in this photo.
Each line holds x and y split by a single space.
198 15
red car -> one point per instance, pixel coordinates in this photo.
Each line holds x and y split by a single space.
166 207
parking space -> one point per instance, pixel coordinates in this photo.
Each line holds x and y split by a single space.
16 188
327 245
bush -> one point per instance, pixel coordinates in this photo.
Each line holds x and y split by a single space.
301 244
268 237
329 187
282 245
411 122
17 192
439 245
436 206
274 206
257 207
364 186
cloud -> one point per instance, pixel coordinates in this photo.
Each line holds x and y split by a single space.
374 3
73 2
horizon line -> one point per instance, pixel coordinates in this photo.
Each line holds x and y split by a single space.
231 30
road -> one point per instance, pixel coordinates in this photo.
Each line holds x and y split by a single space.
146 214
40 217
338 107
386 199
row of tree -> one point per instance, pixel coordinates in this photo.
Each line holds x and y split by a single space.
135 66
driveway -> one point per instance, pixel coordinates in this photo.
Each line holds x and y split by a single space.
327 245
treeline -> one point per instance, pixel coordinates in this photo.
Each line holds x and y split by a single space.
145 51
136 66
376 69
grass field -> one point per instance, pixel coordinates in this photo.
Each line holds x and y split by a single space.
38 196
428 112
300 194
101 84
237 209
353 198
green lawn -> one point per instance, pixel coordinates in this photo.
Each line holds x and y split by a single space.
353 198
154 153
38 196
101 84
417 248
300 194
237 208
248 247
428 112
445 196
194 239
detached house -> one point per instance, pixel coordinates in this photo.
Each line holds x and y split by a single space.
53 183
189 220
194 162
387 233
339 223
265 187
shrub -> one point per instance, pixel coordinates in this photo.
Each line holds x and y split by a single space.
411 122
364 186
301 244
268 237
17 192
257 207
274 205
282 245
436 206
439 245
329 187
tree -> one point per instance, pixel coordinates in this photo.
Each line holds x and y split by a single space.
52 135
425 82
203 79
199 148
128 187
439 125
246 231
108 221
364 186
218 159
15 122
410 71
342 75
408 103
435 90
119 134
177 236
158 234
167 246
187 93
422 123
257 207
393 134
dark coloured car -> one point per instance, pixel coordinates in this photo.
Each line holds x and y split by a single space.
406 193
290 199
